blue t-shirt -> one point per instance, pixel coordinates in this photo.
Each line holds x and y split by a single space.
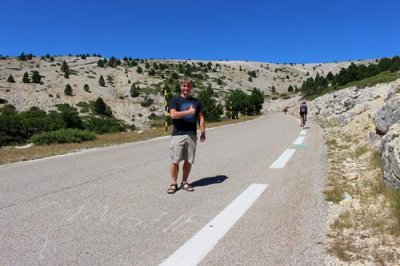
186 125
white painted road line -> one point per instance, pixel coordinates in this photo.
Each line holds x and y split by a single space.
303 132
283 159
196 248
299 140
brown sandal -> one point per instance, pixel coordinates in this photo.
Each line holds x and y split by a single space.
187 187
172 189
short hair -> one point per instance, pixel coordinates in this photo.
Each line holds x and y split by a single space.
185 80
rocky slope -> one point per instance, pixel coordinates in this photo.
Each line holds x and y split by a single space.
388 124
223 76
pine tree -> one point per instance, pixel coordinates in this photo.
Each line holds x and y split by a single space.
36 78
101 81
112 62
25 78
68 90
152 72
100 63
101 107
86 88
22 57
10 79
134 91
64 66
290 89
139 70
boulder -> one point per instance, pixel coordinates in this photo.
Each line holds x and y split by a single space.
389 114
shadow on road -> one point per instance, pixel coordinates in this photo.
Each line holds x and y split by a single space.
209 181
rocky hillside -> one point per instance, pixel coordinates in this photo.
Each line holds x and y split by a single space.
222 76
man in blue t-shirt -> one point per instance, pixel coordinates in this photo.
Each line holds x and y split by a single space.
185 111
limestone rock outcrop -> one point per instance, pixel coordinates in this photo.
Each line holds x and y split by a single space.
389 114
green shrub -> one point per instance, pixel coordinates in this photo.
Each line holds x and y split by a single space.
153 116
63 136
17 127
103 125
146 102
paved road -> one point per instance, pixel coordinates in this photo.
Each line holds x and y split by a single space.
109 206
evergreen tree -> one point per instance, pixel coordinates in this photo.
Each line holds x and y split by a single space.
36 78
22 57
236 102
86 88
152 72
68 90
139 70
100 63
290 88
10 79
252 74
101 107
330 77
101 81
256 102
25 78
112 62
64 66
213 111
135 91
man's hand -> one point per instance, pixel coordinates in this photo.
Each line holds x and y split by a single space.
191 110
203 136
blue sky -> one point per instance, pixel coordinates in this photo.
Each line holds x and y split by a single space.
302 31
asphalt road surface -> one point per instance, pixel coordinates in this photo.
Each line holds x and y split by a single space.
258 201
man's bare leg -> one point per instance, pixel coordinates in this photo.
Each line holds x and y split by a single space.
174 169
186 171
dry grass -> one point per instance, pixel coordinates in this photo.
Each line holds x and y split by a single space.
367 230
12 154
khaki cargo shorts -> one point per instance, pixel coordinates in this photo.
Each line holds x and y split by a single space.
183 147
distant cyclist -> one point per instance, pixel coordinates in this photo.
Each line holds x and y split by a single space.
303 114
